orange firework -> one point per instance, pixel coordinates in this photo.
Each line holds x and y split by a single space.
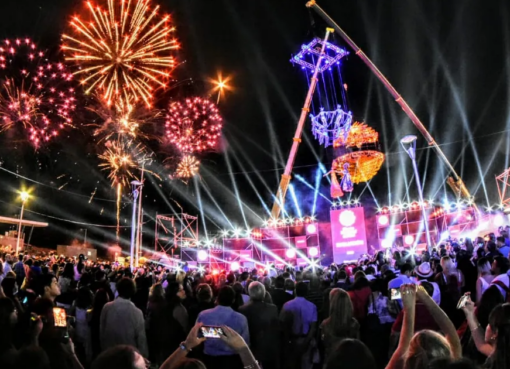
123 50
188 167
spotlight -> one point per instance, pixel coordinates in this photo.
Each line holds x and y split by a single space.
290 254
313 252
408 240
234 266
395 209
385 210
383 220
237 232
499 220
202 255
201 269
311 229
225 233
385 243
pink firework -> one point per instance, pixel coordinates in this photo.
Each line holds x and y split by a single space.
193 125
37 97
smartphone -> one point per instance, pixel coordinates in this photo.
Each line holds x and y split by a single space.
395 294
210 332
462 301
60 317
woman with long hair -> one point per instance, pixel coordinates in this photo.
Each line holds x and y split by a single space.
419 350
484 278
341 323
495 343
94 317
351 354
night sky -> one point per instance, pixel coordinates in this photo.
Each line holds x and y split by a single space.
448 59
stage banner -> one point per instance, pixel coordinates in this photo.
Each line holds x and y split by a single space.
348 233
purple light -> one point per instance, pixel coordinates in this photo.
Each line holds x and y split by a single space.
313 252
202 255
311 229
333 54
290 253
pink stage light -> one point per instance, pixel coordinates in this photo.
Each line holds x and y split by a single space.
313 252
386 243
408 240
202 255
290 253
383 220
311 229
234 266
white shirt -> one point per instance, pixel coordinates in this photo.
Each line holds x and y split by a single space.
502 278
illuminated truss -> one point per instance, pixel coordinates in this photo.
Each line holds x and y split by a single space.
313 50
328 126
503 182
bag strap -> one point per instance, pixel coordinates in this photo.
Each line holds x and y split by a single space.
502 285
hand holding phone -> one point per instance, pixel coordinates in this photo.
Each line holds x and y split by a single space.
210 332
60 317
396 294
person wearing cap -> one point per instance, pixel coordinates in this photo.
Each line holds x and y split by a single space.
424 273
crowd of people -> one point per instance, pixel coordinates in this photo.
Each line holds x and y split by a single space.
444 309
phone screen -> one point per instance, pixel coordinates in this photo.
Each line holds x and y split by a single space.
60 317
211 332
395 294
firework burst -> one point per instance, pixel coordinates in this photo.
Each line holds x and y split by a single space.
122 158
188 167
194 125
124 49
122 120
36 97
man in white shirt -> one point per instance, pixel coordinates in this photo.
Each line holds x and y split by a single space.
499 268
122 323
425 273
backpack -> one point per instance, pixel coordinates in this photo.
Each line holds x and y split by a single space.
504 287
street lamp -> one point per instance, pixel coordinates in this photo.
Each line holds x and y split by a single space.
136 187
24 196
409 145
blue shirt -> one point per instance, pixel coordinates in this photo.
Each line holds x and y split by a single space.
223 315
304 313
504 250
399 281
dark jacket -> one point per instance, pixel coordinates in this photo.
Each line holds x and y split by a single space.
280 297
263 325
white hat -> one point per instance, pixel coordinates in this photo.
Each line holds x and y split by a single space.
424 270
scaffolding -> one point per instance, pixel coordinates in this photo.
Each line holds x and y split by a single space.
503 184
175 233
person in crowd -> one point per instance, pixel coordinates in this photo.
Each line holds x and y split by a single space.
341 323
241 297
19 269
360 294
485 277
82 339
278 294
499 270
341 280
101 282
406 270
204 296
217 352
424 273
495 341
263 326
1 270
289 287
489 300
417 350
503 248
101 298
351 354
122 323
370 273
7 264
492 250
299 325
450 282
48 287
